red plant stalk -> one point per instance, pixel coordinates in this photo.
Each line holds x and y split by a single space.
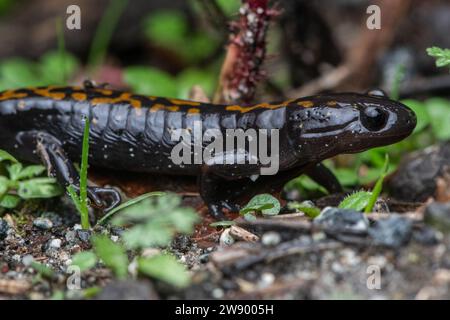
246 52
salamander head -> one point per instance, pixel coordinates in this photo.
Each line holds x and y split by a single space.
326 125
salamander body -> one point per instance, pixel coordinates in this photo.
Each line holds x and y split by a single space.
135 133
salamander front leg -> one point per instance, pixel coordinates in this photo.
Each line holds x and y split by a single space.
323 176
219 194
58 165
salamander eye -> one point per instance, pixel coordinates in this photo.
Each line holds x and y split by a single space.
374 119
377 93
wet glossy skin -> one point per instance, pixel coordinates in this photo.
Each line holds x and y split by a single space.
133 132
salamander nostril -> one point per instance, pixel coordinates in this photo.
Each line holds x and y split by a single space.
373 118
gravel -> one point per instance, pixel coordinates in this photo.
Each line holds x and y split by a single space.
4 227
437 215
342 220
43 223
392 232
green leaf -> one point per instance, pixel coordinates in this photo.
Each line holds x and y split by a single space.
165 268
229 6
39 188
4 186
18 72
439 111
166 27
10 201
442 56
148 235
84 260
14 170
419 108
306 186
112 254
31 171
191 77
356 201
183 219
156 219
129 203
305 207
264 203
42 269
150 81
222 224
5 156
347 176
55 66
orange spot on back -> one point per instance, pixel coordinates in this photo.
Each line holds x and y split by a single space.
332 103
193 111
306 104
172 108
184 102
11 94
79 96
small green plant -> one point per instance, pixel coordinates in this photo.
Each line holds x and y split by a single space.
19 182
306 207
155 218
265 204
81 201
442 56
365 200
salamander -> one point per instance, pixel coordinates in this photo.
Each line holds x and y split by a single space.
133 132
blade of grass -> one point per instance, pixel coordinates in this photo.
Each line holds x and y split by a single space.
84 164
127 204
378 186
104 32
84 213
81 202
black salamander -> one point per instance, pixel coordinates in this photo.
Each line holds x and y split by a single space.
134 133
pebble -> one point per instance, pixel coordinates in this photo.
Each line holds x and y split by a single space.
341 220
270 238
438 215
217 293
204 258
83 235
55 243
225 238
27 260
266 280
55 218
391 232
426 236
4 227
70 236
43 223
